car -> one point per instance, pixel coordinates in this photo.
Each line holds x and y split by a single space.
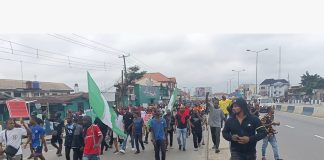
264 103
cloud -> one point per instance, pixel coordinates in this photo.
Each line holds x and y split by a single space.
194 59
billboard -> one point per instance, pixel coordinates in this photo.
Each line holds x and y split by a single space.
201 91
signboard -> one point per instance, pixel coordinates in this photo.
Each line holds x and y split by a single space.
17 108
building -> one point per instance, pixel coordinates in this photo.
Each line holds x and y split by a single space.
248 90
59 104
152 88
201 91
276 88
220 94
21 89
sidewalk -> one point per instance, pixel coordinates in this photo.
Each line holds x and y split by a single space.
224 153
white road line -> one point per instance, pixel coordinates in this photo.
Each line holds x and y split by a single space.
289 126
319 136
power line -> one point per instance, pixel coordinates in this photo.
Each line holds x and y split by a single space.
99 43
37 55
118 50
49 52
20 61
82 44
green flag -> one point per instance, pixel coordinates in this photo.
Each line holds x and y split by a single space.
172 99
101 108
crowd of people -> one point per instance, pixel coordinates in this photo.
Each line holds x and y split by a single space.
88 139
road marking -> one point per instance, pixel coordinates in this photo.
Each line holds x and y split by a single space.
319 136
289 126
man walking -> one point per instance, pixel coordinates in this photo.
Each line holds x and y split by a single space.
223 104
158 129
181 123
196 128
104 130
128 121
169 118
37 139
268 122
57 134
241 132
137 125
78 139
11 137
93 138
69 131
215 119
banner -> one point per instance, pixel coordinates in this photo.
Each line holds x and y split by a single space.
17 108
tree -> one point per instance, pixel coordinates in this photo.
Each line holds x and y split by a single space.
133 74
310 82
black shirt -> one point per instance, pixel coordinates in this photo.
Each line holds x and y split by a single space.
103 127
58 126
180 124
128 120
250 125
69 131
196 122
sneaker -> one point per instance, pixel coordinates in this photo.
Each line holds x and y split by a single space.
133 149
116 152
184 149
143 148
137 152
180 147
199 145
217 151
59 154
196 149
214 147
203 143
122 151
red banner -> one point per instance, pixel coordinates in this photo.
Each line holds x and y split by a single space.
17 108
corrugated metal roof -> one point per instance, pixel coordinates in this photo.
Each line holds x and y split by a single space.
10 84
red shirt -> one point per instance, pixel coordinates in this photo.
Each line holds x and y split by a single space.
93 133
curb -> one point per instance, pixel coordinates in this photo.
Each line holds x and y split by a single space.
315 111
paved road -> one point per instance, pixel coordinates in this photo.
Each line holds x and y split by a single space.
148 154
299 138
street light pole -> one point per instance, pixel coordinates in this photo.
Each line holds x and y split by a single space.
256 67
238 77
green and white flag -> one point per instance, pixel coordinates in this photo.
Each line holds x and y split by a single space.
101 108
172 99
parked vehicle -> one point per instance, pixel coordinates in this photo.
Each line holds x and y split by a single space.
264 103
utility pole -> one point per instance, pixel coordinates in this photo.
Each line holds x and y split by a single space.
279 74
122 89
125 85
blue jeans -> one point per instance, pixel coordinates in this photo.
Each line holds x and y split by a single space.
273 142
182 133
91 157
125 141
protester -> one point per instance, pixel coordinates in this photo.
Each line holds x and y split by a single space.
170 120
215 119
69 132
104 130
37 139
223 104
255 108
127 120
196 128
57 134
268 122
241 132
159 128
204 125
93 138
181 125
11 137
137 126
117 138
78 139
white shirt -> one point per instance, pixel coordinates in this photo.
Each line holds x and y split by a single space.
14 138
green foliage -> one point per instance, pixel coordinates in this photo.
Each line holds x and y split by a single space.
133 73
310 82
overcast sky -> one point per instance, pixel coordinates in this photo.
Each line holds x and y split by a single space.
196 60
